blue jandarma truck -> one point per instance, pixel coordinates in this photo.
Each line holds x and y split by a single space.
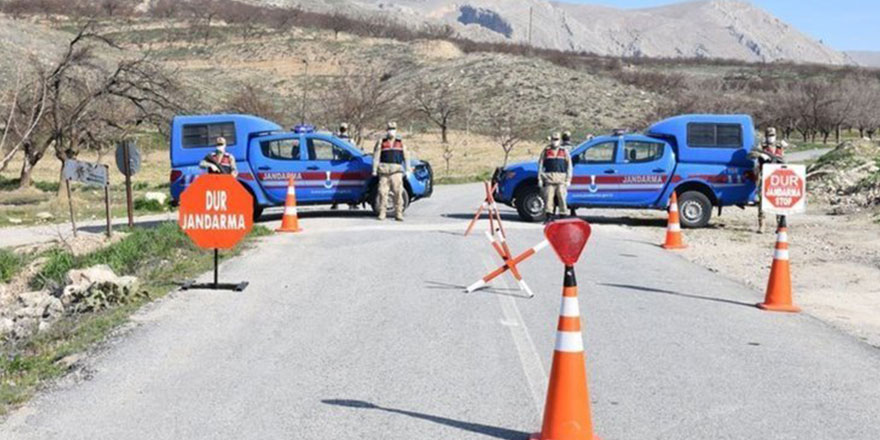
327 169
703 158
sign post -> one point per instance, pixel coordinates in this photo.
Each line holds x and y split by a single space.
128 161
216 212
93 174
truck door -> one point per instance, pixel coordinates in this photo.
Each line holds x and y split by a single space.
275 160
645 168
595 175
335 172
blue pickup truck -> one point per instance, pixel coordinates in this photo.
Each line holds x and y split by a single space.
327 169
703 158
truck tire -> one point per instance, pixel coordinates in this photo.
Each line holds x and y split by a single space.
530 204
258 212
389 210
695 209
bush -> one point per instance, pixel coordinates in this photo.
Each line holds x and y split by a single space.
148 205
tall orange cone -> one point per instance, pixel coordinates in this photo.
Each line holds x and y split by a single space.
290 220
779 297
567 414
673 229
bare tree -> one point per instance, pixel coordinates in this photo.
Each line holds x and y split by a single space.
362 98
25 104
438 101
509 127
866 106
253 99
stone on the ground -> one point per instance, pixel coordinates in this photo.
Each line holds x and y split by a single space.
157 196
96 288
45 215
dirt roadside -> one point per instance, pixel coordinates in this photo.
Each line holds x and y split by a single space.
835 259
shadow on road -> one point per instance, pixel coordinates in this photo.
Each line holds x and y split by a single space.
341 213
683 295
491 431
505 216
438 285
594 219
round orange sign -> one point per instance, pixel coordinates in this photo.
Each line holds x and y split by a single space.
216 212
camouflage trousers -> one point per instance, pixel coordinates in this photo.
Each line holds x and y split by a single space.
555 191
390 180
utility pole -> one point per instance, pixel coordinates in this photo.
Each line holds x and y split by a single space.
305 91
531 12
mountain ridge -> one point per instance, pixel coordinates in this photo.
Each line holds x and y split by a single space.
727 29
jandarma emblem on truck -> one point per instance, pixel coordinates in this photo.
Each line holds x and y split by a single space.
328 183
593 188
643 179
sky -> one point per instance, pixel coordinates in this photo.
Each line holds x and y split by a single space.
841 24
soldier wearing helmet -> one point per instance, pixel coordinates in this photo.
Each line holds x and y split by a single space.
555 172
219 161
566 141
391 165
771 145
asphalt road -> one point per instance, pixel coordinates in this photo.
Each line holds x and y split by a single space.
357 329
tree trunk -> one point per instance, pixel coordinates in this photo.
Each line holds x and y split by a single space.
861 133
24 178
837 134
443 134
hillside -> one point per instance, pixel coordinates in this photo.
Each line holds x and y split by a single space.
729 29
865 58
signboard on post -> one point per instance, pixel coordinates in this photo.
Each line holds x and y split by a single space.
216 212
784 189
128 161
93 174
85 172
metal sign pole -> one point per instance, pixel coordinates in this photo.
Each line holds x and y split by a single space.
70 205
126 159
107 204
216 268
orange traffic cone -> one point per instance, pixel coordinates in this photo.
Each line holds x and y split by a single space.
778 298
673 229
290 220
567 414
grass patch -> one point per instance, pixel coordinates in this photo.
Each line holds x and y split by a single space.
160 256
10 264
141 204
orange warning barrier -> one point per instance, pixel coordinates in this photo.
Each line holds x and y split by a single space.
492 208
779 297
510 263
567 414
673 229
290 220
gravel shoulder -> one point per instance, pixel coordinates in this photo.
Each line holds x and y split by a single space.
835 259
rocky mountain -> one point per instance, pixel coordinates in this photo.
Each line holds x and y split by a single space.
865 58
731 29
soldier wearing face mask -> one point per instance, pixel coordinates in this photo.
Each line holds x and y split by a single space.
391 165
220 162
555 170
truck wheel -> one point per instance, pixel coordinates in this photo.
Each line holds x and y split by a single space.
695 209
530 204
389 208
258 212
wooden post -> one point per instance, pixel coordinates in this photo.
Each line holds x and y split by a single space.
127 171
70 205
107 204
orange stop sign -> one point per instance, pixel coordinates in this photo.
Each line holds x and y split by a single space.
216 212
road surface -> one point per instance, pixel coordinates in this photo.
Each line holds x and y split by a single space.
358 329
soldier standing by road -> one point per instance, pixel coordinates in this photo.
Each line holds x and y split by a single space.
566 141
555 170
391 165
342 133
772 151
220 162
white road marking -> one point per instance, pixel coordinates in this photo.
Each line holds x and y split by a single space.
533 369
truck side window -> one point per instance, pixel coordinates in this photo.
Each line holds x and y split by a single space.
709 135
281 149
204 135
640 152
599 153
320 149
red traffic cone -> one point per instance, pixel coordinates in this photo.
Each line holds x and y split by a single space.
567 414
779 297
673 229
290 220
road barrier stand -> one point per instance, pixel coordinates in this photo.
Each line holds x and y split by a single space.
504 252
779 296
290 220
510 263
567 414
673 229
491 208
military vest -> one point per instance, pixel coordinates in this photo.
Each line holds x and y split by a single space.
392 152
555 161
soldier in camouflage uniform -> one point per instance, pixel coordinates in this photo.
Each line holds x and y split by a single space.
391 165
772 151
555 172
